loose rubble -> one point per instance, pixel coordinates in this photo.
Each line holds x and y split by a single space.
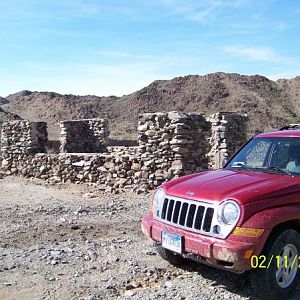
104 256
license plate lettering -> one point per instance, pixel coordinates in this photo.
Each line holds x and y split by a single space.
171 241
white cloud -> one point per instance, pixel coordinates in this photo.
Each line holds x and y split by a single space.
253 53
284 73
282 26
276 76
201 11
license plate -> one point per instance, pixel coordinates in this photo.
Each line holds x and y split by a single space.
171 241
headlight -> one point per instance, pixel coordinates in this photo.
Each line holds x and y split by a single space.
158 201
229 212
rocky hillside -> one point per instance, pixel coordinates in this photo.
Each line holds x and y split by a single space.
269 104
6 116
3 101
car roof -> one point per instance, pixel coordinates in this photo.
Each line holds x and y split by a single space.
281 133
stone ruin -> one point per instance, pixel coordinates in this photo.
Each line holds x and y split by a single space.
24 137
84 136
170 144
228 134
19 140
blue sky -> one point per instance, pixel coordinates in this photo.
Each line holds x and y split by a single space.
119 46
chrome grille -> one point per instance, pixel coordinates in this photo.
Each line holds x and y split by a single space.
187 214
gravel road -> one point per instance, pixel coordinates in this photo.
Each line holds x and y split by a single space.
77 242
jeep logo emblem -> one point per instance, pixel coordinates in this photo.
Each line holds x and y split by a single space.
190 193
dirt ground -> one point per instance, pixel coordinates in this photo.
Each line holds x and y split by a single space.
76 242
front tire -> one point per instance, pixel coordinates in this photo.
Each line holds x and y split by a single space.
173 259
279 280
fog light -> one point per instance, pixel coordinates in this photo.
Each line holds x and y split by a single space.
217 229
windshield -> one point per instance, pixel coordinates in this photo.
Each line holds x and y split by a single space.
272 155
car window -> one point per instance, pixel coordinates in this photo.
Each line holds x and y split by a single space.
281 153
293 163
254 154
277 155
258 154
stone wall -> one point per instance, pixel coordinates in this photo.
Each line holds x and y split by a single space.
228 134
111 170
172 144
24 137
20 139
84 136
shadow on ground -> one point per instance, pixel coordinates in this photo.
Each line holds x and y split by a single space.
238 284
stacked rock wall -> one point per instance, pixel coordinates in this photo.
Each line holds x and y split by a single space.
228 134
84 136
23 145
20 139
24 137
172 144
114 171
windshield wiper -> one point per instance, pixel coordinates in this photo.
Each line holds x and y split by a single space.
282 171
275 170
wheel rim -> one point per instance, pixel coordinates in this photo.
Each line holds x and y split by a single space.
287 266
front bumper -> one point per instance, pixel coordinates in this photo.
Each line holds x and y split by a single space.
230 254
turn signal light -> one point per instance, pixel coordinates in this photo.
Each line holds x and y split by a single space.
248 254
252 232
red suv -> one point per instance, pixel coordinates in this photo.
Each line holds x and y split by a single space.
245 216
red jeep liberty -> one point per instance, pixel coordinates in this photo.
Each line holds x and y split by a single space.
245 216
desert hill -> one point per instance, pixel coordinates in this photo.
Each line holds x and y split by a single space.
269 104
6 116
3 101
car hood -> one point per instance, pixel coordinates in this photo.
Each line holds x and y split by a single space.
243 186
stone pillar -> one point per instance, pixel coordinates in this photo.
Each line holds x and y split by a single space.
24 137
228 134
171 144
19 139
84 136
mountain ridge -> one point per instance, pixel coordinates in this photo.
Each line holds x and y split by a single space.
269 104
